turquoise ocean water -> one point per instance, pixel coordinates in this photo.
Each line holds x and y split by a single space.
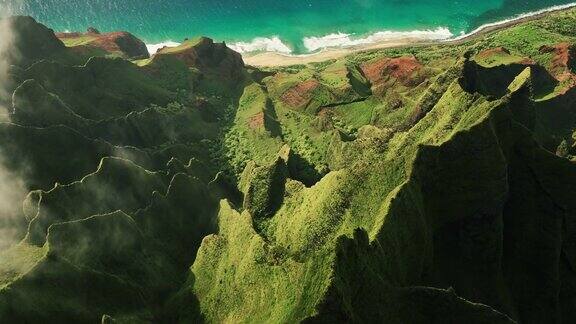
296 26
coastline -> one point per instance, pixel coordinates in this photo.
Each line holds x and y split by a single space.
275 59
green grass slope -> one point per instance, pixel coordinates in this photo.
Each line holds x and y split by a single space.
424 184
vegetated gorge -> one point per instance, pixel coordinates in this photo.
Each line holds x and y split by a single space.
424 184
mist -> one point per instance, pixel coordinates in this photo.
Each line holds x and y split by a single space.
7 58
12 192
12 185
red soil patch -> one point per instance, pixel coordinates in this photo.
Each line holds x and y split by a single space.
115 42
108 41
256 121
300 94
563 59
401 68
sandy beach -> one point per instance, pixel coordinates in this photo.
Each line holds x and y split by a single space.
277 59
273 59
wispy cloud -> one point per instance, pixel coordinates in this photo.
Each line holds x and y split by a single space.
12 193
12 185
8 55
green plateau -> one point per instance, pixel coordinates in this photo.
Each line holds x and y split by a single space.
431 183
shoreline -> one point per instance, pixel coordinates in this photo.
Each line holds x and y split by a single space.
275 59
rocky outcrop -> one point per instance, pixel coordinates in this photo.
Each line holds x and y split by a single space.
92 30
32 41
264 188
491 77
124 42
563 61
207 56
301 94
120 43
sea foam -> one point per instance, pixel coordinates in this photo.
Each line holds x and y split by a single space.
153 48
514 19
343 40
262 44
347 40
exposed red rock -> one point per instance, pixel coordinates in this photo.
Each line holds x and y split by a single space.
116 42
562 61
300 95
256 121
401 68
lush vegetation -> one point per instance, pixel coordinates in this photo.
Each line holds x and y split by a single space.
413 185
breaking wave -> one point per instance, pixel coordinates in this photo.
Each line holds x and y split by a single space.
348 40
515 19
262 44
314 44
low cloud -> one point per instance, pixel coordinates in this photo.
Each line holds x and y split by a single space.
13 188
8 56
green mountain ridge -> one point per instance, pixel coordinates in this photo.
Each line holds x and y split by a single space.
425 184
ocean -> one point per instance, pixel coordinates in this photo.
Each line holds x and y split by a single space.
285 26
